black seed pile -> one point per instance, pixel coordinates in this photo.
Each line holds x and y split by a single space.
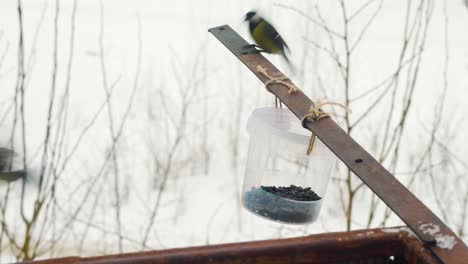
293 192
270 202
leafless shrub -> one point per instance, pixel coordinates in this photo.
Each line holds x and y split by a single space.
172 131
45 221
392 98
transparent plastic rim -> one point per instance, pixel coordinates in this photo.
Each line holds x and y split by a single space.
255 123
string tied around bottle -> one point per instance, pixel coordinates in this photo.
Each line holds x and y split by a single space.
315 115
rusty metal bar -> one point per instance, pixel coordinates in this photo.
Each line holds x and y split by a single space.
407 206
362 246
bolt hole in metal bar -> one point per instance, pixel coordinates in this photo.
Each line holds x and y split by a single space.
395 195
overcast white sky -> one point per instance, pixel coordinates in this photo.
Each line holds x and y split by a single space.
176 30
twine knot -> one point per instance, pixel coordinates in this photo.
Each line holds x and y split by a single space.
278 79
315 115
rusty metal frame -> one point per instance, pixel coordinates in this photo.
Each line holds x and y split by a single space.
394 194
361 246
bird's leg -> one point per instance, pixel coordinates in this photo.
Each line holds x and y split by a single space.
251 46
251 49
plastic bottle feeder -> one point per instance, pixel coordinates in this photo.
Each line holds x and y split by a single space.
282 183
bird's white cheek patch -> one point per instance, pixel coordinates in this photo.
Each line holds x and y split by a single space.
255 18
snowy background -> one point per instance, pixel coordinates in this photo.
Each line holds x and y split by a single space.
130 117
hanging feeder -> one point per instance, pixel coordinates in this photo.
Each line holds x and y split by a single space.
282 183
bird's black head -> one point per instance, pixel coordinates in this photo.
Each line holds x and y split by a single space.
249 15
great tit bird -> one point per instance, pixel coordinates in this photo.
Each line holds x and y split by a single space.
265 35
12 176
6 160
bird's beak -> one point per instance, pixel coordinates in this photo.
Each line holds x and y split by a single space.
245 19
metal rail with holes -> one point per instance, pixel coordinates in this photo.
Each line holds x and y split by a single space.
407 206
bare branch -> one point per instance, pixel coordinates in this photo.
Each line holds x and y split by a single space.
332 54
311 19
359 10
366 26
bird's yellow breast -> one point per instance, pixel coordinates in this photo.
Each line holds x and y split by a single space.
264 41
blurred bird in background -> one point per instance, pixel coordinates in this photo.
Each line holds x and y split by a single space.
266 37
6 161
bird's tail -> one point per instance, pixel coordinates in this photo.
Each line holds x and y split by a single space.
291 66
